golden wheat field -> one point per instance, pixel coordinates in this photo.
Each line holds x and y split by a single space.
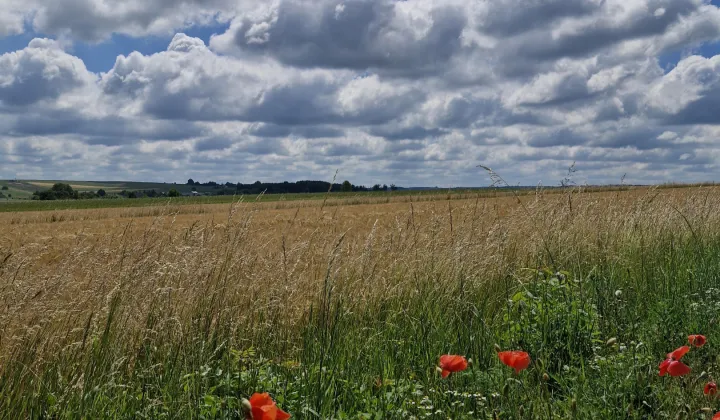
60 266
253 272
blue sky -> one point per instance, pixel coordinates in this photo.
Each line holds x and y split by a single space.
616 86
100 56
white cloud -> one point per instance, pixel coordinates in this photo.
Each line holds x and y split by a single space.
95 20
419 91
42 71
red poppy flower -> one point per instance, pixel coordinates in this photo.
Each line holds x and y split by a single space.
452 363
673 368
716 416
517 360
697 340
678 353
264 408
710 388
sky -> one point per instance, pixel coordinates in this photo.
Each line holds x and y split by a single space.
413 92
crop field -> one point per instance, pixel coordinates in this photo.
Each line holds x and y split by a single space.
347 198
23 189
341 307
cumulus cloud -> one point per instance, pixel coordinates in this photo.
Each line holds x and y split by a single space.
95 20
690 93
354 34
417 91
42 71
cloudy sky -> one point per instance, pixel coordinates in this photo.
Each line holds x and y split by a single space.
414 92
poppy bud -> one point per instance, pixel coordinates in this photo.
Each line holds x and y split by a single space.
438 369
706 410
498 349
505 390
611 342
521 411
247 408
546 377
573 406
470 361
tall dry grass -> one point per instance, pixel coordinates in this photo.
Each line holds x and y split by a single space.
161 298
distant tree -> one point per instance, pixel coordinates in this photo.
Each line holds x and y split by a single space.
58 191
173 193
393 187
101 192
86 195
193 189
63 191
5 188
191 182
376 187
9 195
132 194
385 187
346 186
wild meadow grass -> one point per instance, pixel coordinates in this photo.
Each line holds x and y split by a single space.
338 323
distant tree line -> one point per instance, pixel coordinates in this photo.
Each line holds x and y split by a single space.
63 191
278 187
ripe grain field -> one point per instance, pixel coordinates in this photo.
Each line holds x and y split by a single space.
342 308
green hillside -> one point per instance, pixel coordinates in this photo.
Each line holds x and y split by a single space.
23 189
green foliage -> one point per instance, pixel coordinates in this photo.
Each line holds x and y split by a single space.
553 319
173 193
346 186
5 188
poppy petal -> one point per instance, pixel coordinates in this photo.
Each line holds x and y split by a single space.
505 357
710 388
677 368
664 366
517 360
258 399
678 353
445 373
265 412
453 363
264 408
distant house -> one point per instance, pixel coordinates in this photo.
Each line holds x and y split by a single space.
194 193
